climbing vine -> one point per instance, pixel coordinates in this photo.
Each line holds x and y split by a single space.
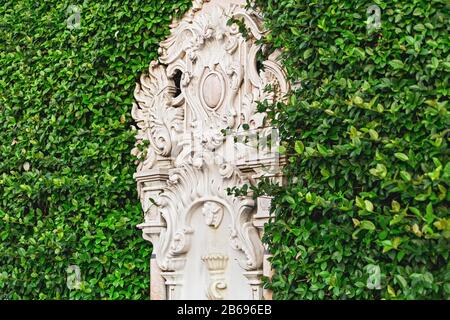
364 212
68 202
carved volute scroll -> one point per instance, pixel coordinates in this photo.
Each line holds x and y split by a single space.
207 82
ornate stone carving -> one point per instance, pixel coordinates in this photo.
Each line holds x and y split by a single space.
207 82
216 264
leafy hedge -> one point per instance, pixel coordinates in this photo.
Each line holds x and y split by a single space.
366 137
67 196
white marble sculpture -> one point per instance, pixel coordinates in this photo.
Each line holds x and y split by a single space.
192 146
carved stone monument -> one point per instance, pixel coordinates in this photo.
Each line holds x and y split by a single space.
199 134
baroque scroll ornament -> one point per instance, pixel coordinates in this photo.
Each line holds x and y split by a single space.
207 81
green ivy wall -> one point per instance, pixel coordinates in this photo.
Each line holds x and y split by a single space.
67 195
366 137
364 214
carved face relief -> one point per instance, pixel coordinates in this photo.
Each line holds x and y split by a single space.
213 214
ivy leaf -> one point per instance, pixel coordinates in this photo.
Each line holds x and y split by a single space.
391 291
307 53
405 175
299 147
290 200
282 149
360 52
373 134
322 150
395 206
396 64
401 156
396 242
379 171
360 202
419 27
368 205
367 225
401 280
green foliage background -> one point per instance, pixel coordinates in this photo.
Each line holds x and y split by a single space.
366 138
67 195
